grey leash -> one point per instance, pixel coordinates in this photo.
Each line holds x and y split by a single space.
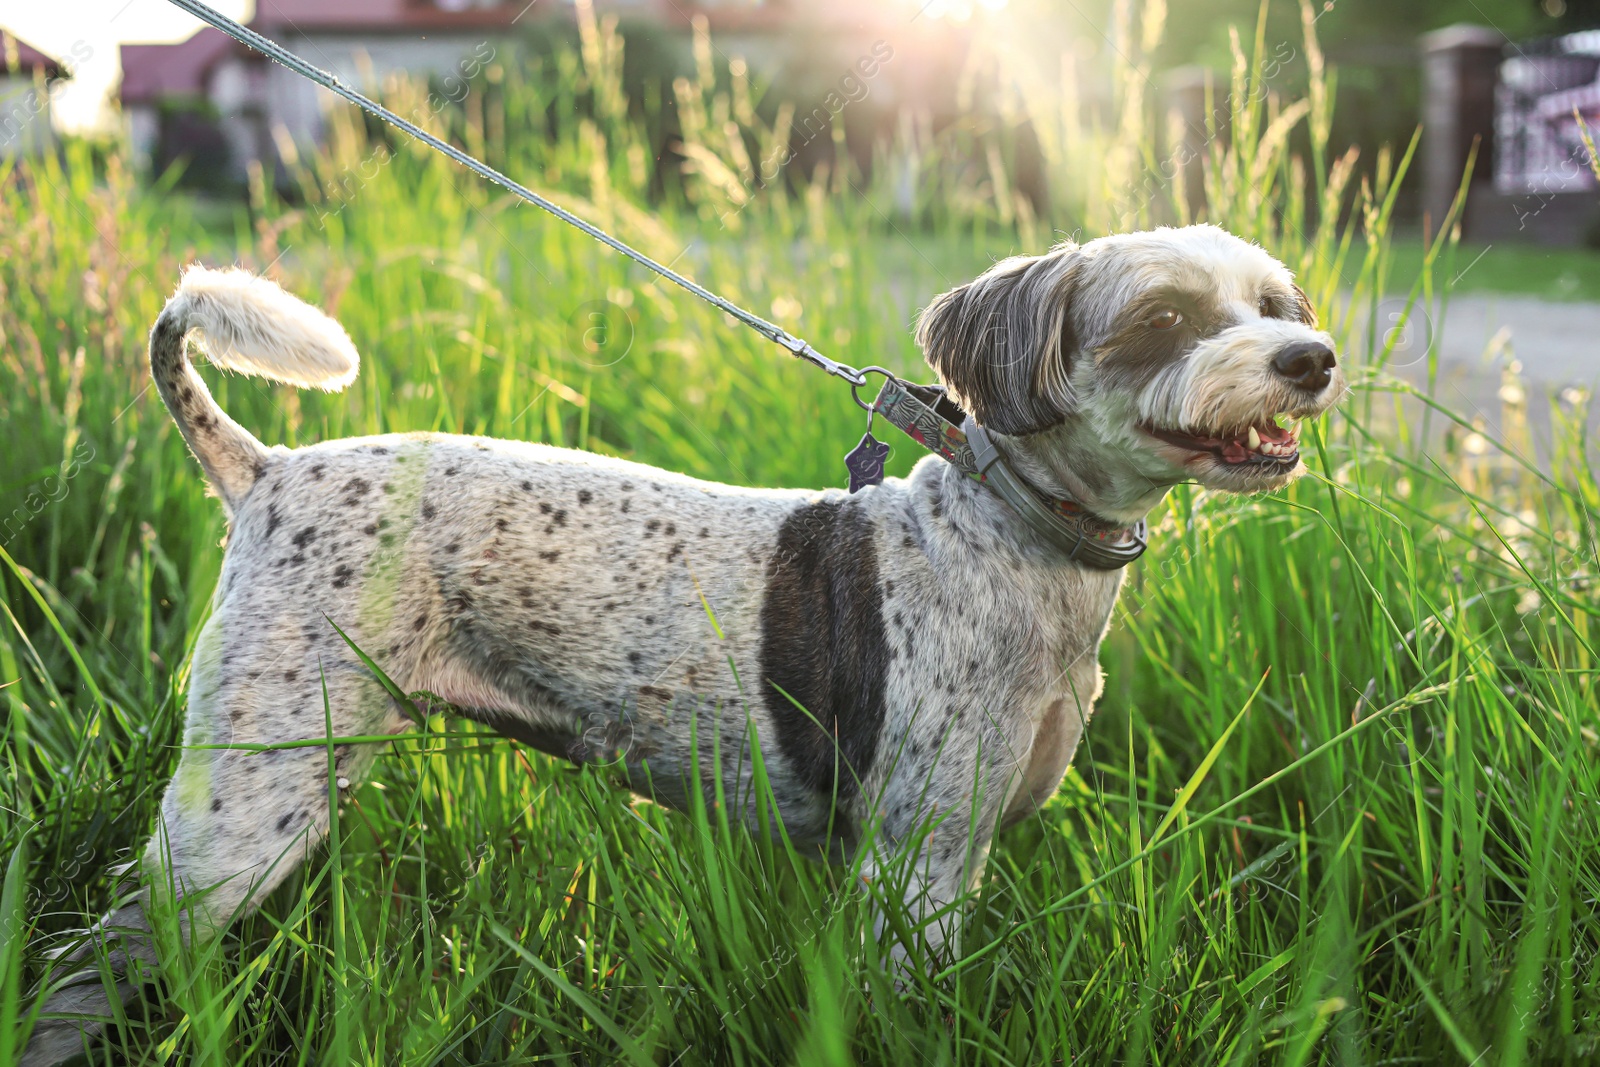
278 54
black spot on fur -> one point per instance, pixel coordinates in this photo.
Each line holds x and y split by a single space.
316 473
502 525
357 487
550 556
290 676
635 658
823 644
427 511
527 487
546 508
379 450
283 823
450 472
370 528
453 546
421 621
627 487
656 691
273 519
675 551
550 628
561 516
704 532
624 508
341 575
649 620
671 530
584 496
305 537
216 805
652 526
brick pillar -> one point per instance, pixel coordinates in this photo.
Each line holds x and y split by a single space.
1459 65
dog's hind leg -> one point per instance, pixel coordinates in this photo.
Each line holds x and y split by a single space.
235 821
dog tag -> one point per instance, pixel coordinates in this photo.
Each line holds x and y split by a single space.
865 462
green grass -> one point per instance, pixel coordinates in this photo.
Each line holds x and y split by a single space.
1391 854
1564 274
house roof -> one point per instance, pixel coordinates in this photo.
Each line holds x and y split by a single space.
153 71
27 57
384 16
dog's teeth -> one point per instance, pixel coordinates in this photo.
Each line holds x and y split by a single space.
1254 439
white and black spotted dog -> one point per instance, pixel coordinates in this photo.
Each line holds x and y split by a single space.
944 654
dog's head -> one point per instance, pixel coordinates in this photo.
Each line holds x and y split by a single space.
1121 367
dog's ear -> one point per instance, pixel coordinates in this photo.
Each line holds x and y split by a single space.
1308 314
1003 345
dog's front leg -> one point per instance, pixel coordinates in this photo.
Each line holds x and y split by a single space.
932 842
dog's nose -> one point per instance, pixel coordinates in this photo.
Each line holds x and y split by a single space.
1308 365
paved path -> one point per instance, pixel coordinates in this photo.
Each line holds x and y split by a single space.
1557 344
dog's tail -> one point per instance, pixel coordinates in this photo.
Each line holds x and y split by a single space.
245 324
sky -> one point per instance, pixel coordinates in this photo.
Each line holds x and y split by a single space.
92 29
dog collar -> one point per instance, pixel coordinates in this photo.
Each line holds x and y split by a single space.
931 419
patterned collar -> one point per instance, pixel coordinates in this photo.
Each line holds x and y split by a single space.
930 418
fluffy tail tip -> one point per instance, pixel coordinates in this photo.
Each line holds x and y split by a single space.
250 325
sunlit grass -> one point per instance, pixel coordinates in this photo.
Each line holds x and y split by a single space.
1393 857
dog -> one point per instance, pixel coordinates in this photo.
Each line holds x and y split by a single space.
915 660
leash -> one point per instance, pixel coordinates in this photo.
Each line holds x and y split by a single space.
278 54
926 419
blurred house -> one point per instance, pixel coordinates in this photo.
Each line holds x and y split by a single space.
224 106
25 78
221 106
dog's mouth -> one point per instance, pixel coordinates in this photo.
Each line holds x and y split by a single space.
1263 444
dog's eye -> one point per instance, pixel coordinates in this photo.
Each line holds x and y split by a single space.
1265 304
1165 319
